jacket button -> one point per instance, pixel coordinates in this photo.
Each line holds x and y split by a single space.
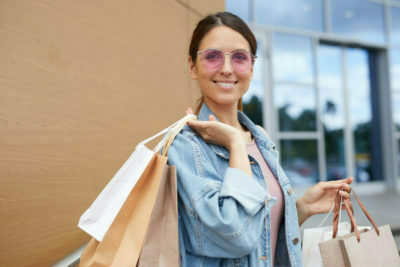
290 191
264 258
295 240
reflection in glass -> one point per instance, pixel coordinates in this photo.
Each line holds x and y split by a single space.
240 8
300 161
395 68
302 14
396 109
395 26
358 19
253 98
292 59
332 109
359 95
296 107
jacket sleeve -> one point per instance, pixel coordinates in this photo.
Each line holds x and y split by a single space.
224 216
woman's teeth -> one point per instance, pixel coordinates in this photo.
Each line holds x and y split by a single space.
226 84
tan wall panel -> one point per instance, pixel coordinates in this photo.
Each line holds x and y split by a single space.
81 82
206 7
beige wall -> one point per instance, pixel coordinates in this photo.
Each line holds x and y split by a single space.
81 82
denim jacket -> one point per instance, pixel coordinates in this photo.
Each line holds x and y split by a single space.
224 215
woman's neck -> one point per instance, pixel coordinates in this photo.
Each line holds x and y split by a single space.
225 113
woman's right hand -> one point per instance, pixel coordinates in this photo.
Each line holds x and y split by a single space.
217 133
222 134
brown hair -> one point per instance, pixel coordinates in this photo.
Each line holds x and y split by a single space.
210 22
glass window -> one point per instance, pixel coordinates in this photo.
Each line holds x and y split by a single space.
300 161
296 107
292 58
359 96
396 109
332 109
358 19
240 8
395 26
253 99
302 14
395 68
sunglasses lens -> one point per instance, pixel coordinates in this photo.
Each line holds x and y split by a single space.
241 61
212 59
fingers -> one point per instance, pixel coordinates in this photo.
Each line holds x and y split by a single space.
202 127
196 124
334 185
343 184
189 110
348 180
344 194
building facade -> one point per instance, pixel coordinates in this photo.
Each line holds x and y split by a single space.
326 87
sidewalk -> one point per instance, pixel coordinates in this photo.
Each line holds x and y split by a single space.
384 209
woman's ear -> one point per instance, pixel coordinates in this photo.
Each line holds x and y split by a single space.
193 69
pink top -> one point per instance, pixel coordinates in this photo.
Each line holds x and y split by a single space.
274 189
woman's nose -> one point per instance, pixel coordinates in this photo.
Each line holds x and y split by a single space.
227 67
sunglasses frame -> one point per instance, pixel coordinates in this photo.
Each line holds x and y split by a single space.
253 57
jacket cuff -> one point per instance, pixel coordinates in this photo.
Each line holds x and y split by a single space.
245 190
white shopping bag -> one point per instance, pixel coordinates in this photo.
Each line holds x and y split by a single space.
100 215
313 236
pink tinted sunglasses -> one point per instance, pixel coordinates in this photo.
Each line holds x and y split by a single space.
213 59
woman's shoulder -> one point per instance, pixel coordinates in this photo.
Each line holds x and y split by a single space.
186 139
263 130
189 143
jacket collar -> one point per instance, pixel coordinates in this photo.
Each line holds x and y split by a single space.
260 138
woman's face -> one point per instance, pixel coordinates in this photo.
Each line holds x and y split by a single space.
224 86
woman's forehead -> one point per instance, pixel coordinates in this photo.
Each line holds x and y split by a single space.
225 39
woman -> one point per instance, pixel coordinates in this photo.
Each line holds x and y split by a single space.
236 205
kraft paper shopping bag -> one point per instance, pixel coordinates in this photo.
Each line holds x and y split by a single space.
372 250
161 246
363 247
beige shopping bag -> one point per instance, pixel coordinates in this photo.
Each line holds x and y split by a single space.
362 247
161 246
331 251
371 250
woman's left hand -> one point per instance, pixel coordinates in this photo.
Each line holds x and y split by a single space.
320 198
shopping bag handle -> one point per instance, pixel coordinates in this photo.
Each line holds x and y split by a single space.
169 138
181 123
350 212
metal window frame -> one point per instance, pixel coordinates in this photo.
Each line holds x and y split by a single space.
262 37
320 129
396 134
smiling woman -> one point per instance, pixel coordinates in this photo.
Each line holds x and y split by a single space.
236 205
219 80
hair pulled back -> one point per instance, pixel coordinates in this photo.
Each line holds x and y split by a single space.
210 22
